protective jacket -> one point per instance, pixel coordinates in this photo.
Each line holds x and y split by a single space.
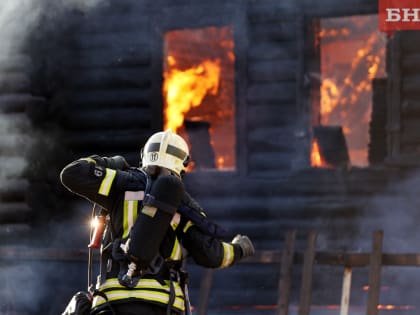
121 192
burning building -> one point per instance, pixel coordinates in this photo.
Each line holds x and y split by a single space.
297 116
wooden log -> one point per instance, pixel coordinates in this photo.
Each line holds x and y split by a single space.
270 161
134 40
410 108
410 64
13 190
115 22
279 31
119 118
13 231
270 115
280 92
272 51
101 99
272 70
410 41
116 57
14 82
15 212
101 78
271 139
17 62
409 86
107 139
410 134
14 123
15 144
272 12
10 103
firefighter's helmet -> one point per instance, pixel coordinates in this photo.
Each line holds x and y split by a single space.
166 149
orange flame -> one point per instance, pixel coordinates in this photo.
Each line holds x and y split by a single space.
185 89
317 160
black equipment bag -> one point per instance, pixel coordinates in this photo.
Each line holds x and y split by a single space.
80 304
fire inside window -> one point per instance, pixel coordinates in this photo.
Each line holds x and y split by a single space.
352 53
199 94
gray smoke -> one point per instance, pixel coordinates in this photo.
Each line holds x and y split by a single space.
28 286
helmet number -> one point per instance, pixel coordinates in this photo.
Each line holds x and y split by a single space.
153 157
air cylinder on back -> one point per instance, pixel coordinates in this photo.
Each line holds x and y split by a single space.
159 206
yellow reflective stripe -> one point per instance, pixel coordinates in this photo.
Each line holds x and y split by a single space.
145 295
176 253
107 182
129 215
228 255
115 291
88 159
187 226
113 283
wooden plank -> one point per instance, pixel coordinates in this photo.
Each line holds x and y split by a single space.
375 274
285 279
346 290
306 284
409 41
204 293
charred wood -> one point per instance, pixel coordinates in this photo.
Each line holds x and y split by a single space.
270 161
271 139
14 82
10 103
120 118
278 31
106 98
270 51
275 70
116 57
114 39
270 115
280 11
377 148
15 63
279 92
101 78
16 212
13 190
105 140
410 108
410 41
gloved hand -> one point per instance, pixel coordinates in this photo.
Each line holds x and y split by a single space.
117 162
246 245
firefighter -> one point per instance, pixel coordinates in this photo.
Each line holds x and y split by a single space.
153 224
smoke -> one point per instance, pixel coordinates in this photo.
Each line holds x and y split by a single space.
29 286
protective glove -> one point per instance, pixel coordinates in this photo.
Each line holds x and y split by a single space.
246 245
117 162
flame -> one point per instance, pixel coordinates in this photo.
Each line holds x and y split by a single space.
317 160
349 65
185 89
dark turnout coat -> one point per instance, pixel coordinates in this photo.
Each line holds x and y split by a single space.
121 192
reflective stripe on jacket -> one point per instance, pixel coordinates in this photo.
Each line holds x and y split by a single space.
146 290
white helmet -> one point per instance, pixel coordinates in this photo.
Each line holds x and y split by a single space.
166 149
